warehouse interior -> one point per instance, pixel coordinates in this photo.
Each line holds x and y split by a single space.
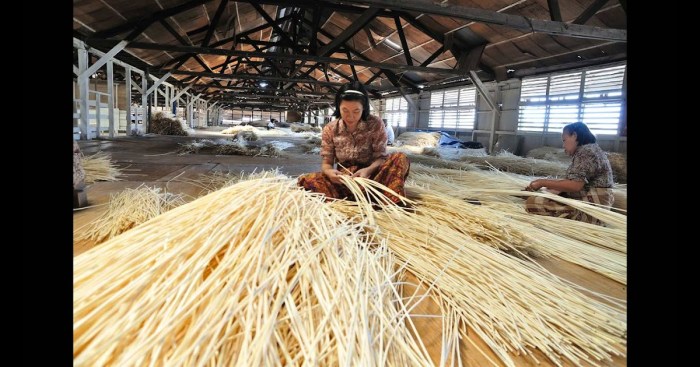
193 245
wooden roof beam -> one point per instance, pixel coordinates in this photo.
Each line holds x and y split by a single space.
348 32
589 12
214 22
281 56
404 43
157 16
492 17
554 12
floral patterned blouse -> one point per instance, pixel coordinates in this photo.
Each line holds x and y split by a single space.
590 164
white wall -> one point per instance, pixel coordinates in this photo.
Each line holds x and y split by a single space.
507 94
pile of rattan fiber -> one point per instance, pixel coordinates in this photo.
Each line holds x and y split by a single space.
272 275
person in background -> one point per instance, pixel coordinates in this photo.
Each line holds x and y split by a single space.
588 178
354 143
271 124
389 133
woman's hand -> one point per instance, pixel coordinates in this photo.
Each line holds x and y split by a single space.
363 172
535 185
333 175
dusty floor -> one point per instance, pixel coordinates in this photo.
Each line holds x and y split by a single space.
152 160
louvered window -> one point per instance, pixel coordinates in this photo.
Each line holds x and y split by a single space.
592 96
396 111
452 109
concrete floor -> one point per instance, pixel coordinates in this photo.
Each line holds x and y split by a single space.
152 160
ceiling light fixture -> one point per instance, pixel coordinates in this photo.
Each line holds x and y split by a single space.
391 44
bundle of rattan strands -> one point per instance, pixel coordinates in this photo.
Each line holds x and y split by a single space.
260 273
513 304
99 167
439 163
418 139
127 209
516 164
216 180
600 249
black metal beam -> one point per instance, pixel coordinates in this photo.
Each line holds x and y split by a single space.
267 98
488 70
589 12
325 72
393 79
246 77
277 91
387 70
310 4
375 76
178 37
274 25
493 17
272 55
157 16
303 75
352 67
348 32
432 57
261 27
313 43
422 27
227 103
404 43
267 61
370 39
554 12
227 61
202 63
214 22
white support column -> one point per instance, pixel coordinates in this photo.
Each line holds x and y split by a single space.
214 113
173 101
106 57
167 98
416 115
98 100
190 114
155 97
144 102
158 83
495 112
83 88
110 96
135 84
128 100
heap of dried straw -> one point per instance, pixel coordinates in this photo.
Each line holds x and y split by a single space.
128 209
99 167
418 139
238 128
618 163
166 126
